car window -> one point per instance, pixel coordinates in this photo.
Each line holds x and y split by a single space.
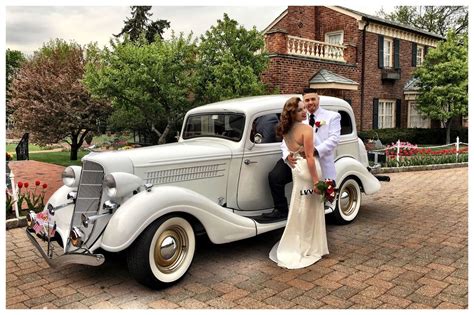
264 129
346 123
228 125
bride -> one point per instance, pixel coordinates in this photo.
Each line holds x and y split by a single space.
304 240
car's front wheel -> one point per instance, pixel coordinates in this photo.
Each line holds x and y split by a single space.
163 253
348 201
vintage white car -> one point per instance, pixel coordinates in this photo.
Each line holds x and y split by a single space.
152 202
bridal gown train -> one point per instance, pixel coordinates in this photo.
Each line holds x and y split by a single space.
304 240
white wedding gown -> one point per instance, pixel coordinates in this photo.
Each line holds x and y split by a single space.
304 240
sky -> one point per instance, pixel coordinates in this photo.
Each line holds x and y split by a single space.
28 27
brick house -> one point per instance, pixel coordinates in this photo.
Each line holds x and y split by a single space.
363 59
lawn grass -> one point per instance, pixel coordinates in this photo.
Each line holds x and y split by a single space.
59 158
31 147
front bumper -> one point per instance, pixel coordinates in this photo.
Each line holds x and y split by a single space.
56 261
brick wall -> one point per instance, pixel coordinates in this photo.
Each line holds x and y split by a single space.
376 88
292 73
331 21
300 21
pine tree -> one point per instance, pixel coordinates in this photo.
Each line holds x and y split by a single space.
140 23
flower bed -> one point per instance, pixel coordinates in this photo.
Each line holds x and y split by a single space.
28 198
410 155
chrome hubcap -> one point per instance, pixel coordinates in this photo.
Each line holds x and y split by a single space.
170 249
348 200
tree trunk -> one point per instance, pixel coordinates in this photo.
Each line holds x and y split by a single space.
74 147
448 130
162 135
162 139
76 143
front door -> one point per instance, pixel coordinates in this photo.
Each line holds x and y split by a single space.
262 151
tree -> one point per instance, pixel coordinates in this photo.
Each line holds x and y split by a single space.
157 79
443 81
435 19
49 99
140 23
231 60
14 59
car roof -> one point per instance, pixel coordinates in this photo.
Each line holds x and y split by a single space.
253 104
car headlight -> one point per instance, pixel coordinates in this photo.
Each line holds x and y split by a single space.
118 184
71 176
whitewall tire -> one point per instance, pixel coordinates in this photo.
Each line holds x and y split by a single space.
348 201
163 253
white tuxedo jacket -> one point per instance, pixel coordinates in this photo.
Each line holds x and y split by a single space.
325 138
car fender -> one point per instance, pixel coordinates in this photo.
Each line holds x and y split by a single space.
348 166
63 210
136 213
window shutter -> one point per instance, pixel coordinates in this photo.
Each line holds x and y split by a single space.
375 114
398 113
426 50
396 53
380 51
413 54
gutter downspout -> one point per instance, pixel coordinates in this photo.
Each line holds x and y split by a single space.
362 80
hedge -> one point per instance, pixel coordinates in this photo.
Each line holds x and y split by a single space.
414 135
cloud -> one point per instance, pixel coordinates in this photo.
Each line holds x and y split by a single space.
27 28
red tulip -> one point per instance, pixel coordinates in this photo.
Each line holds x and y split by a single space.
20 185
26 184
37 182
45 186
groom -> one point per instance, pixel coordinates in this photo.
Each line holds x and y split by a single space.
327 129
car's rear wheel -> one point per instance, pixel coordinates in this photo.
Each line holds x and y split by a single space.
163 253
348 201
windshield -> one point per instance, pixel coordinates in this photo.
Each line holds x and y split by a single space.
222 125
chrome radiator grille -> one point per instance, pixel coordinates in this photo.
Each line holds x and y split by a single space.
90 190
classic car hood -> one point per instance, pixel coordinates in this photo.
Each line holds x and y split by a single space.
179 152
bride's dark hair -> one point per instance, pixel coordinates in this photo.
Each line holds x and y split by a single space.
286 118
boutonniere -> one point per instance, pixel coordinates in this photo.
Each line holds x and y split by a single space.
318 124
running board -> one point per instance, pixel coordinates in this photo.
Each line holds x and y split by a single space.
264 220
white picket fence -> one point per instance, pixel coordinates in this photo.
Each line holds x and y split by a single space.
14 194
399 146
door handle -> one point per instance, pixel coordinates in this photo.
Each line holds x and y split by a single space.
247 162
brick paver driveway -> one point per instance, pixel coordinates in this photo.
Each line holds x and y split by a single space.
407 249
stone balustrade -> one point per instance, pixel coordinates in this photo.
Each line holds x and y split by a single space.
314 49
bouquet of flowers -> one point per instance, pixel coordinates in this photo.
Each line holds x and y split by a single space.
327 189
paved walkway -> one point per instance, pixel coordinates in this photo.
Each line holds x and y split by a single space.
407 249
30 171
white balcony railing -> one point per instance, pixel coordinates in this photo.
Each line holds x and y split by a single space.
315 49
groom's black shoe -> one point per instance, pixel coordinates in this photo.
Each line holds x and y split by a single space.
275 214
